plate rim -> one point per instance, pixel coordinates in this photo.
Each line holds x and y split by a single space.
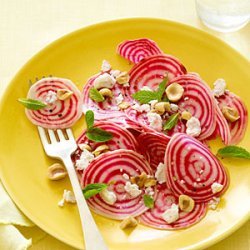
200 245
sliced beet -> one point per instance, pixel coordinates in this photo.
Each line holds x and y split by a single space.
59 114
112 166
237 128
138 49
191 169
153 146
164 198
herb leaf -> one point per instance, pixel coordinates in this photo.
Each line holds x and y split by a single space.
145 96
89 117
161 89
95 95
234 151
93 189
171 122
98 135
32 104
148 201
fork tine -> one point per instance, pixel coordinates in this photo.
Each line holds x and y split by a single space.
52 136
70 134
60 134
43 136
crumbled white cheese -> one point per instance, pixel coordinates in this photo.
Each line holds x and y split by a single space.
213 204
104 81
146 88
85 158
51 97
193 127
152 103
119 99
108 196
68 196
105 66
216 187
174 107
115 72
160 173
155 121
141 108
186 98
219 87
172 214
132 189
125 176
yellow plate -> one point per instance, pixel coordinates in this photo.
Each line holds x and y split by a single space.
77 56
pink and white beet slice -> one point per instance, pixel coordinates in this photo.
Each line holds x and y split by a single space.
192 169
153 147
164 198
59 114
237 128
111 166
138 49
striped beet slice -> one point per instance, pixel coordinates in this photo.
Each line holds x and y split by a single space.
163 200
191 169
151 71
122 139
237 128
222 126
153 147
198 100
103 110
138 49
110 167
59 114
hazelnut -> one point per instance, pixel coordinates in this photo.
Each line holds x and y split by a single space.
231 114
128 222
122 78
186 203
174 92
150 182
124 105
101 149
105 92
139 180
162 107
185 115
63 94
56 172
85 146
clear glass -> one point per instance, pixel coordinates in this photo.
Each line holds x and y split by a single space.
224 15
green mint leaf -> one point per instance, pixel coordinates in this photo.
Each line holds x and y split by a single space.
161 88
234 151
89 117
145 96
171 122
98 135
32 104
93 189
95 95
148 201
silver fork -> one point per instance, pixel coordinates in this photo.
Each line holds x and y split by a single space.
63 149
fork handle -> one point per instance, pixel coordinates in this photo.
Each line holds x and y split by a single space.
93 238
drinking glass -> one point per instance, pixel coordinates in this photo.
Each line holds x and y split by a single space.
224 15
